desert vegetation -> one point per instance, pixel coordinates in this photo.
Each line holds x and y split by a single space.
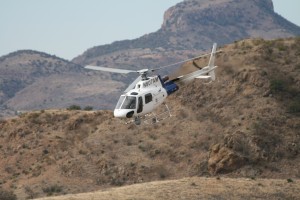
239 126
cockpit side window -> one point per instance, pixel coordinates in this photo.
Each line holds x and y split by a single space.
148 98
140 105
129 103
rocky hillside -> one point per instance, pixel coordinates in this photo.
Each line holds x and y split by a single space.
191 27
22 68
31 80
245 124
196 24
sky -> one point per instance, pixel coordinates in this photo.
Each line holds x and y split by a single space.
67 28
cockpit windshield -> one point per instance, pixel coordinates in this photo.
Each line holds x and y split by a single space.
118 106
126 102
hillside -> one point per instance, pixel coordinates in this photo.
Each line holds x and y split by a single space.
197 188
245 124
31 80
22 68
190 27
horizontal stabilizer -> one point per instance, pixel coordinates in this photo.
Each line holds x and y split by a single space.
203 77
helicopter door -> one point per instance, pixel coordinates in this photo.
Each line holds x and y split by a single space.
158 97
140 105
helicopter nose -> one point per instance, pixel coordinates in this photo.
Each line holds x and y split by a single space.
122 113
119 113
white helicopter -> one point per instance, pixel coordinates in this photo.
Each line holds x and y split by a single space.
146 94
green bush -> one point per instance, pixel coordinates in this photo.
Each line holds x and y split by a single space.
74 107
277 85
289 180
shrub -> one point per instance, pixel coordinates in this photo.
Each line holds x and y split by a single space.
88 108
281 47
34 115
257 42
295 106
277 85
193 184
162 171
289 180
52 189
7 195
74 107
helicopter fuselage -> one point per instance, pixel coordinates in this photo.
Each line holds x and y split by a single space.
147 95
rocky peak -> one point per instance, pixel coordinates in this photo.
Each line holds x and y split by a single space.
198 23
176 13
265 3
194 25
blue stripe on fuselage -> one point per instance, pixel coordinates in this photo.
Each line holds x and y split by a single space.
170 86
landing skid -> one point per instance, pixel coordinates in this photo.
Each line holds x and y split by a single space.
152 118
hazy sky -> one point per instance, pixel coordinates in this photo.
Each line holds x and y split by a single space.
66 28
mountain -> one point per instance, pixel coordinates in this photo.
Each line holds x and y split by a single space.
196 24
31 80
191 27
243 125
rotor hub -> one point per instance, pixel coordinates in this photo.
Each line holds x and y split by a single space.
143 73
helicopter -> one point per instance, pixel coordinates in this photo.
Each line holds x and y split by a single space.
146 93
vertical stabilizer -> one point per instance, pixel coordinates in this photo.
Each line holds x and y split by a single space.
211 63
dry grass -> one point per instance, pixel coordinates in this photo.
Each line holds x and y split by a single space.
235 126
197 188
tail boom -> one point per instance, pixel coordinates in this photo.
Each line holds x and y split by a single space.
207 72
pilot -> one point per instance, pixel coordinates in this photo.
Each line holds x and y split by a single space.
132 105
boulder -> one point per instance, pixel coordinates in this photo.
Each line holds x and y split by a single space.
222 159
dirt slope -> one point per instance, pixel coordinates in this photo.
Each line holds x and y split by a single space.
197 188
31 80
245 124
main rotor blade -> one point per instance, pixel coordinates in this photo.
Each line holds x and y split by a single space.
132 85
107 69
203 55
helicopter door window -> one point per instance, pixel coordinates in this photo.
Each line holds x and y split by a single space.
140 105
129 103
148 98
